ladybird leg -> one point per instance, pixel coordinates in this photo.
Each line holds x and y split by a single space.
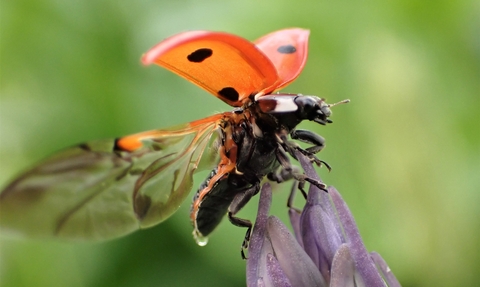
297 185
290 147
316 140
286 173
285 146
282 156
283 173
315 159
286 169
305 136
237 204
303 178
283 159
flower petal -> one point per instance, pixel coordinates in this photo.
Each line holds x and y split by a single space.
317 196
368 273
295 222
343 268
320 238
385 270
259 245
296 264
320 229
275 273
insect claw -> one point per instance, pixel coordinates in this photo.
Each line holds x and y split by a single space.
313 158
301 187
243 254
303 178
245 243
317 183
326 165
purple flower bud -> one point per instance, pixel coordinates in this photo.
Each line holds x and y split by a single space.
325 250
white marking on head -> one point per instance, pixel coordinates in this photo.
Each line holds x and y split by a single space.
285 104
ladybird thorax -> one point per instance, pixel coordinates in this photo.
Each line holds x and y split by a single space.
286 111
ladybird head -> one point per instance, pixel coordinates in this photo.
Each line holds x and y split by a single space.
315 109
291 109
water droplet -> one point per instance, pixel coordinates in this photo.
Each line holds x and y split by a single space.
200 239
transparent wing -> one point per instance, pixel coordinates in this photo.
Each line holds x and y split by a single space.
105 189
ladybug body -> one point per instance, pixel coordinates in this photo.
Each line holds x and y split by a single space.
108 188
255 139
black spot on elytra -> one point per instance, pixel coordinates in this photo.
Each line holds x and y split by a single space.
229 93
286 49
200 55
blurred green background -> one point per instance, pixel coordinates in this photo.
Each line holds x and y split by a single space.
405 152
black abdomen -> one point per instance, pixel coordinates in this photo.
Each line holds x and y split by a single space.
214 204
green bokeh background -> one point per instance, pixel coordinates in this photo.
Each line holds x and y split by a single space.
405 153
